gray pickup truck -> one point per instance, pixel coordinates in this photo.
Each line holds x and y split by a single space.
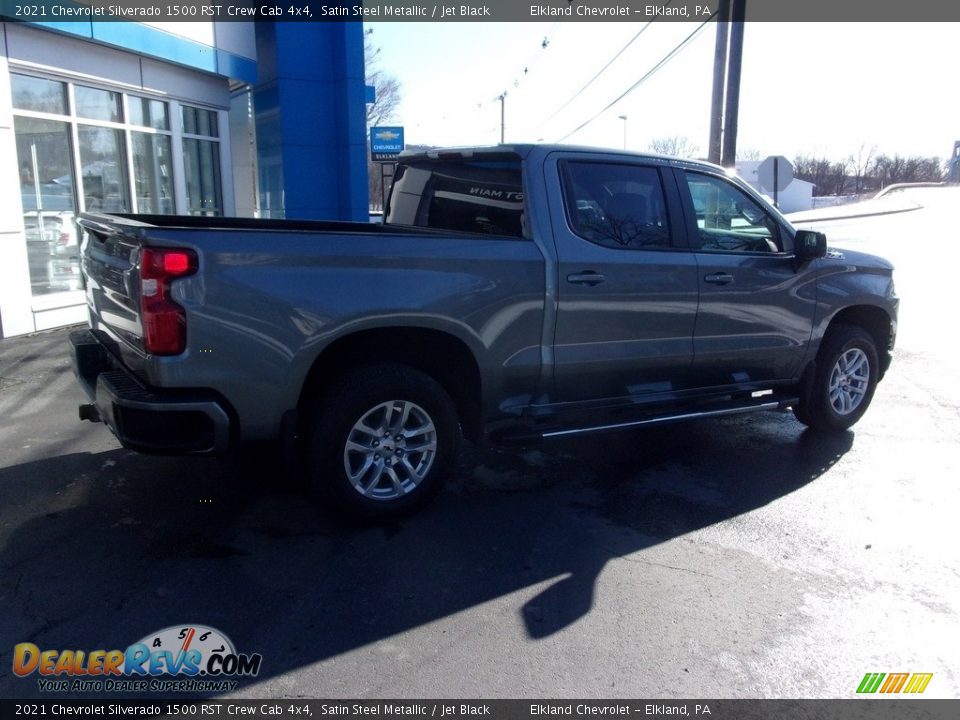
512 294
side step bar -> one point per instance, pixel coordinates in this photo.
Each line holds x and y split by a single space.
531 434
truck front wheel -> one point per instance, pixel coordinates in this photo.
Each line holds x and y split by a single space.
843 384
381 440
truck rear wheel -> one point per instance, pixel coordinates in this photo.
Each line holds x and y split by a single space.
844 381
381 440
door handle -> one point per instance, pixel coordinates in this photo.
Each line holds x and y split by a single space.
587 277
720 278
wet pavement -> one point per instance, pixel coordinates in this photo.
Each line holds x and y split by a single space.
741 557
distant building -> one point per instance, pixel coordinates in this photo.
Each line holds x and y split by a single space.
797 196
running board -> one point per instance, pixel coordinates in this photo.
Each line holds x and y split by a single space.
529 434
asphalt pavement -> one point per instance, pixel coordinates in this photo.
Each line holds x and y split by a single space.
741 557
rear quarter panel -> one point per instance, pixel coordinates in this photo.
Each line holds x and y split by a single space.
264 305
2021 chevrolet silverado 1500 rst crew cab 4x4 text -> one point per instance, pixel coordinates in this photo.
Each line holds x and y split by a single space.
514 293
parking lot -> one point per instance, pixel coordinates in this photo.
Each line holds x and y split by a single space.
741 557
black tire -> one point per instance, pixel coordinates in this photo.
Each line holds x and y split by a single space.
843 384
377 476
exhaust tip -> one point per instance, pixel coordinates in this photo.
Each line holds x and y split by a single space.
89 412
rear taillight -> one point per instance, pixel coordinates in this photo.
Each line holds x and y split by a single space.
164 321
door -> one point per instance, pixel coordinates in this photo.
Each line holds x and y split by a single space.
627 283
756 309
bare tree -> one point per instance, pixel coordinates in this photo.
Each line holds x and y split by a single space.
887 170
677 146
869 170
816 171
838 177
381 111
860 164
749 154
386 86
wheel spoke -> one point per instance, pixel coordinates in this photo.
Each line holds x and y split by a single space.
357 475
841 368
859 366
428 445
395 479
363 427
412 471
378 469
358 447
423 429
405 408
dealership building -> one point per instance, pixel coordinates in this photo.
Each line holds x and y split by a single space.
215 118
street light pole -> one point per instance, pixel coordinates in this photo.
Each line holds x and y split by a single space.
624 118
503 115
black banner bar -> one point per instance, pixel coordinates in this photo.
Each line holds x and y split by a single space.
874 708
473 11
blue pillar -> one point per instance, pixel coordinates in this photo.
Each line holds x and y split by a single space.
310 110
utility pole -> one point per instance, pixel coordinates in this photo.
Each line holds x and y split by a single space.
719 82
624 118
725 100
731 109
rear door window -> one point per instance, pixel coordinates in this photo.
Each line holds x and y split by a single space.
475 196
617 205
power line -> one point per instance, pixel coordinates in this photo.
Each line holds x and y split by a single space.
532 60
602 70
537 56
667 58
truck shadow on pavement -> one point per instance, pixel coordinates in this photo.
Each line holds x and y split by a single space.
105 548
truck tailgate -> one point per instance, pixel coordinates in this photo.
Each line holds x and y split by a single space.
109 255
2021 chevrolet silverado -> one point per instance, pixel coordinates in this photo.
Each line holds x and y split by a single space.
513 293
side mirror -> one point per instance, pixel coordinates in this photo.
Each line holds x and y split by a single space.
809 245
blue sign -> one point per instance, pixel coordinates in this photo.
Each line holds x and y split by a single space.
386 143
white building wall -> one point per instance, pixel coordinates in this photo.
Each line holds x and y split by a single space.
33 51
798 195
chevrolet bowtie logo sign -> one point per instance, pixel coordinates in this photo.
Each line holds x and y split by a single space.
386 143
912 683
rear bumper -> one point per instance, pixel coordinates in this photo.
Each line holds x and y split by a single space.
148 420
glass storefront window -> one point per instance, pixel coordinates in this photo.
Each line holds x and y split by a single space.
95 104
104 151
49 205
148 113
39 94
199 122
103 171
201 159
152 173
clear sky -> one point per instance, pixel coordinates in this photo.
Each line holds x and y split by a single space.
814 88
